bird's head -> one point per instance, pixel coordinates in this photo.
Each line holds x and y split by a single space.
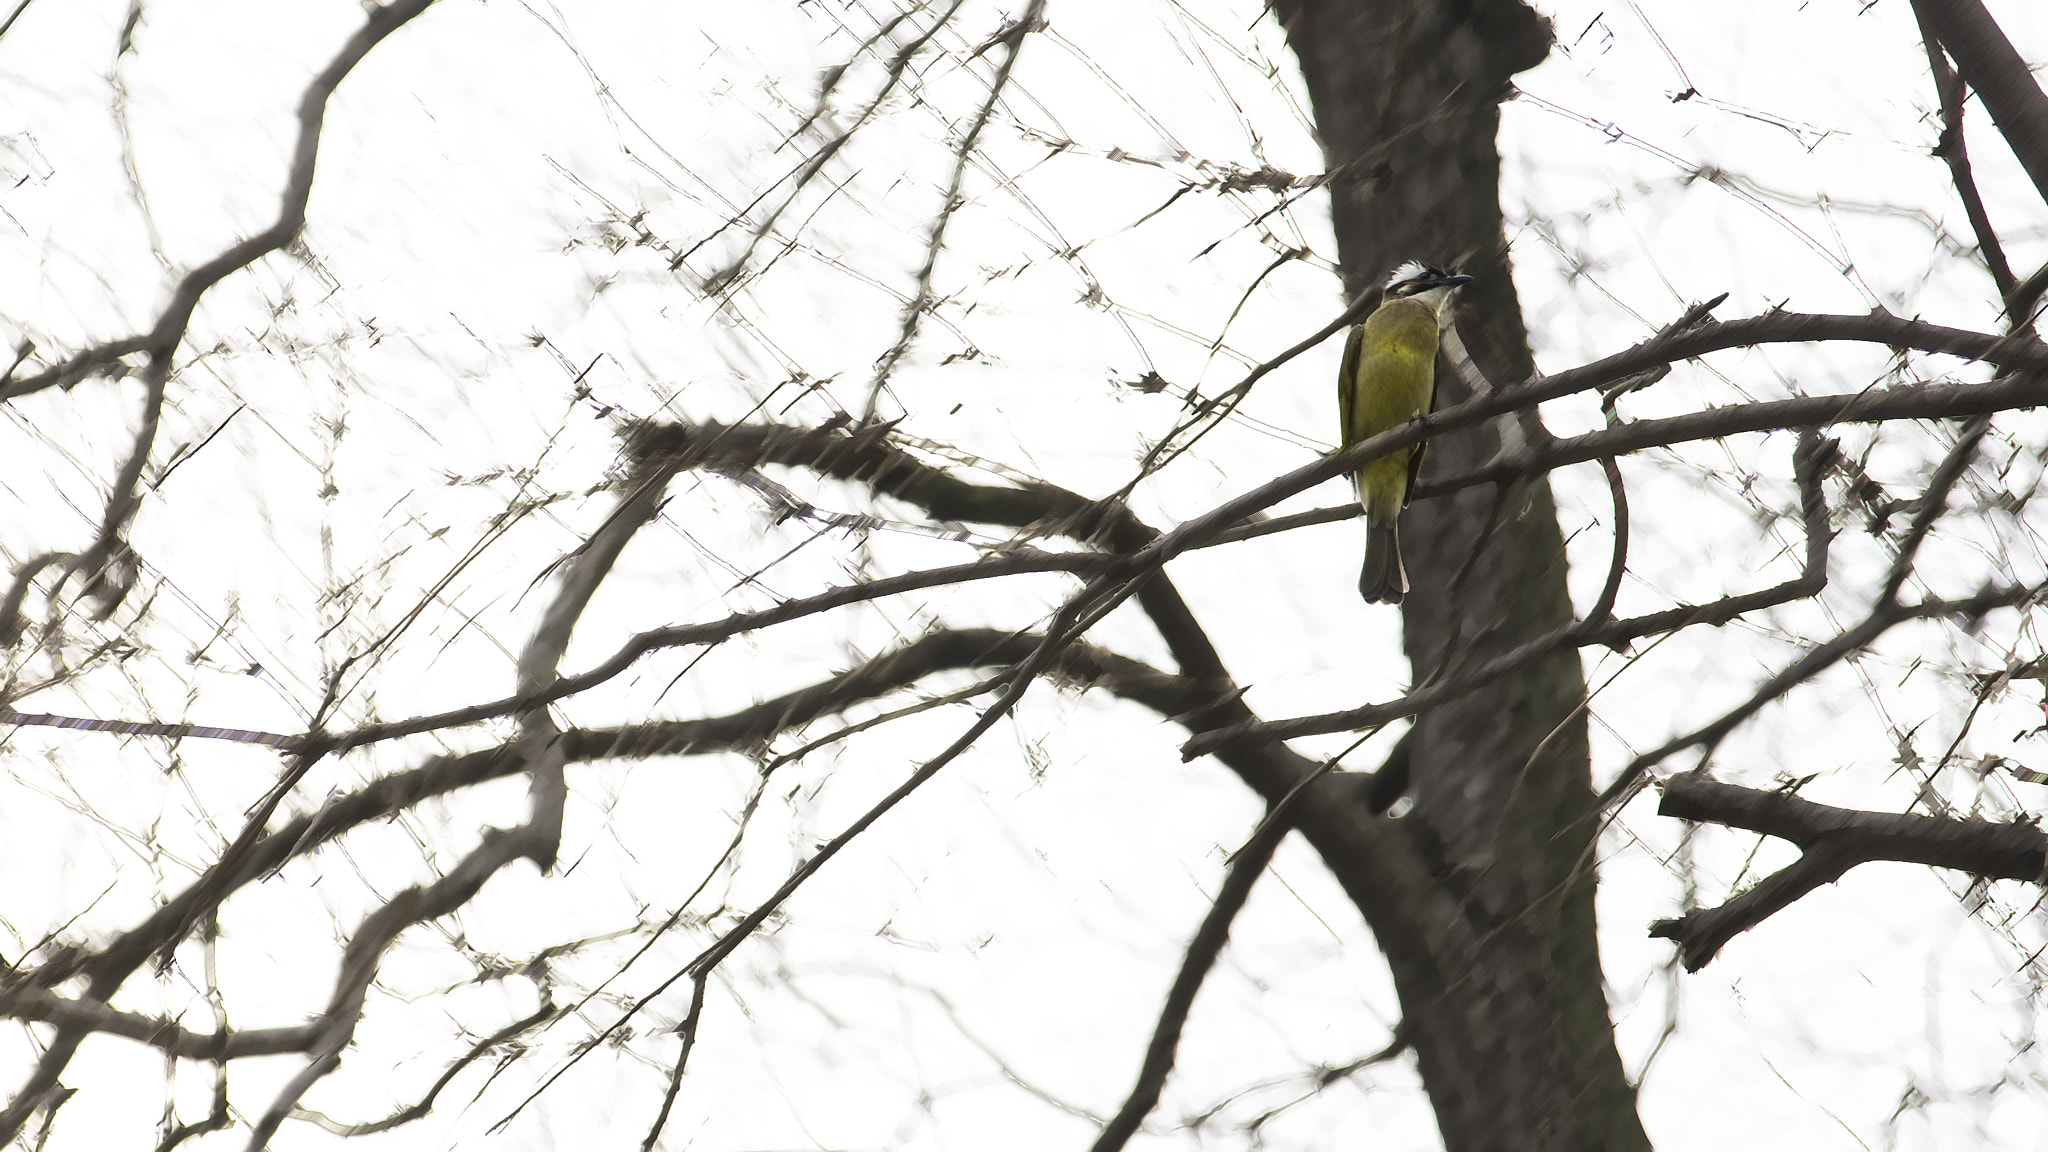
1430 285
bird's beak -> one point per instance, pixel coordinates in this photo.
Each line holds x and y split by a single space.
1454 281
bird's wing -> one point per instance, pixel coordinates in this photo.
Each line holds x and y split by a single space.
1347 385
1415 458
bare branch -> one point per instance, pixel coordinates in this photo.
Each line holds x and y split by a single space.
898 63
148 728
1012 38
1809 465
1043 655
1881 621
1603 605
161 342
1948 89
2021 301
13 16
1202 950
365 952
865 456
1066 627
740 731
690 1030
1831 841
107 565
546 1012
744 730
685 635
23 1000
890 472
2002 79
1933 501
216 1117
540 661
1882 618
1910 402
1177 441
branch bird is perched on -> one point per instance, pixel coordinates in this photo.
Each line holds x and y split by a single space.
1388 379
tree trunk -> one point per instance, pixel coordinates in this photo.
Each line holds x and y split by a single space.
1490 928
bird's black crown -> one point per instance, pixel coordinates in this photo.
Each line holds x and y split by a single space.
1415 277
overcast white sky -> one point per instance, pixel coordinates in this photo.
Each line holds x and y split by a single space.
502 189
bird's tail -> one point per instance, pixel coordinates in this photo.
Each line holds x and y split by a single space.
1383 580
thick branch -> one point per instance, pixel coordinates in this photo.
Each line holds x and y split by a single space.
1831 840
1911 402
365 954
161 344
1952 149
867 457
2003 82
540 661
25 1001
684 635
741 731
1967 608
1809 466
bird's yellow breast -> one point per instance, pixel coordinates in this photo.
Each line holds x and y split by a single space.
1390 369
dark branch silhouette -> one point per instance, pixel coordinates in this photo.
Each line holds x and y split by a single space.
2000 76
1203 949
161 342
1831 841
1475 914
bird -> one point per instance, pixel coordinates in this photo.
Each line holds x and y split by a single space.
1388 379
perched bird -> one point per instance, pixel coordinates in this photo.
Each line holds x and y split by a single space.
1388 379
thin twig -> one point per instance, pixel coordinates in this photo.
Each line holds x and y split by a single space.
161 342
1012 38
1203 948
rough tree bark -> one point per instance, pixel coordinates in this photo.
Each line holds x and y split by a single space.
1480 896
1496 961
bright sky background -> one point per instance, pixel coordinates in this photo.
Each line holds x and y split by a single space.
502 189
